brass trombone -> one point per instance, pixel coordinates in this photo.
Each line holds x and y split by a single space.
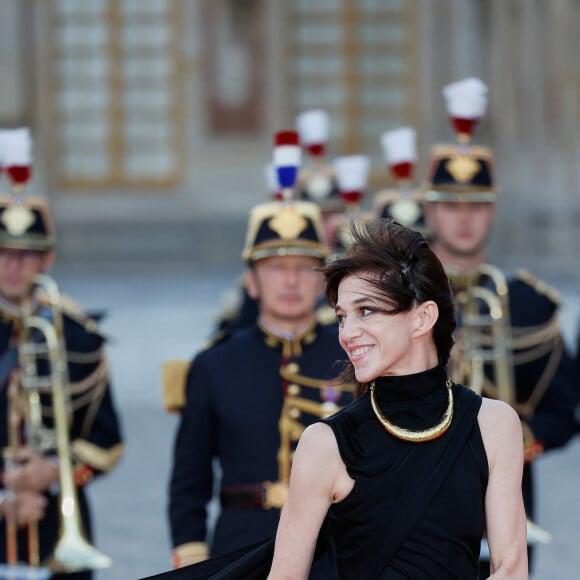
41 342
485 338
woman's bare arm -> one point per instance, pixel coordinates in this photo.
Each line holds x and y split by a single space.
318 478
505 515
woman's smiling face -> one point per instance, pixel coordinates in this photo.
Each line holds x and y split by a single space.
377 341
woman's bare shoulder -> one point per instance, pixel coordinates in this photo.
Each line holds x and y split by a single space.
500 427
318 437
497 414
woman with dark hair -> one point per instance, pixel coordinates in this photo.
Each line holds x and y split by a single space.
407 478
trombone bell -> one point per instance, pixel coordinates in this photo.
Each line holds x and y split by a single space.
73 553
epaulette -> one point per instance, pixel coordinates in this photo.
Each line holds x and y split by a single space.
539 286
173 379
325 315
73 310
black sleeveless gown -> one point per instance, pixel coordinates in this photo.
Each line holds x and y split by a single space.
416 510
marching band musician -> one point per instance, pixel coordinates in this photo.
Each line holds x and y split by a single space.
248 398
538 379
26 250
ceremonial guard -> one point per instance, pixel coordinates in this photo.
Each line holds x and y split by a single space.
403 203
247 399
60 429
508 343
316 182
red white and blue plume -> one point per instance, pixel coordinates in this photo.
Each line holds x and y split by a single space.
313 127
466 102
271 179
400 150
287 155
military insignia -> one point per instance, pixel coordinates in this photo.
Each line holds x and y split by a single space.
288 223
17 219
462 168
330 394
405 211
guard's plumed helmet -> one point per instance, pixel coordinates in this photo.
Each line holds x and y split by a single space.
462 172
285 227
25 221
26 224
282 228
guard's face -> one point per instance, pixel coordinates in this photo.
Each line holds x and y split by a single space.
287 287
377 342
460 228
18 268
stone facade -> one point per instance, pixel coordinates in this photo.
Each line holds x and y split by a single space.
523 50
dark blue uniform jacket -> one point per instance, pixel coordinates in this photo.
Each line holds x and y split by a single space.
235 395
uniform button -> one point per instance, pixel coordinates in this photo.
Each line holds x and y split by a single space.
292 367
293 389
295 413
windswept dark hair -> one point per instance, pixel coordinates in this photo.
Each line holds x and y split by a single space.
398 262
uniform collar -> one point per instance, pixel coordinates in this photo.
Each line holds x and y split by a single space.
462 280
291 343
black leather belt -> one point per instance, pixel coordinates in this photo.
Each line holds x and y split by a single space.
266 495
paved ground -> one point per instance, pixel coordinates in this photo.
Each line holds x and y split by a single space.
165 312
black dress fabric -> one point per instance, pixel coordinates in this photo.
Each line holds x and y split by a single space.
417 509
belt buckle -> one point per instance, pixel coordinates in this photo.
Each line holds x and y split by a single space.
274 494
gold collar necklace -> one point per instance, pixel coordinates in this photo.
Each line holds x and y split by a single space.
410 434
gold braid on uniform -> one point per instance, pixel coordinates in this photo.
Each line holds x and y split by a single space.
91 388
553 346
291 345
533 342
95 396
288 373
85 357
526 344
